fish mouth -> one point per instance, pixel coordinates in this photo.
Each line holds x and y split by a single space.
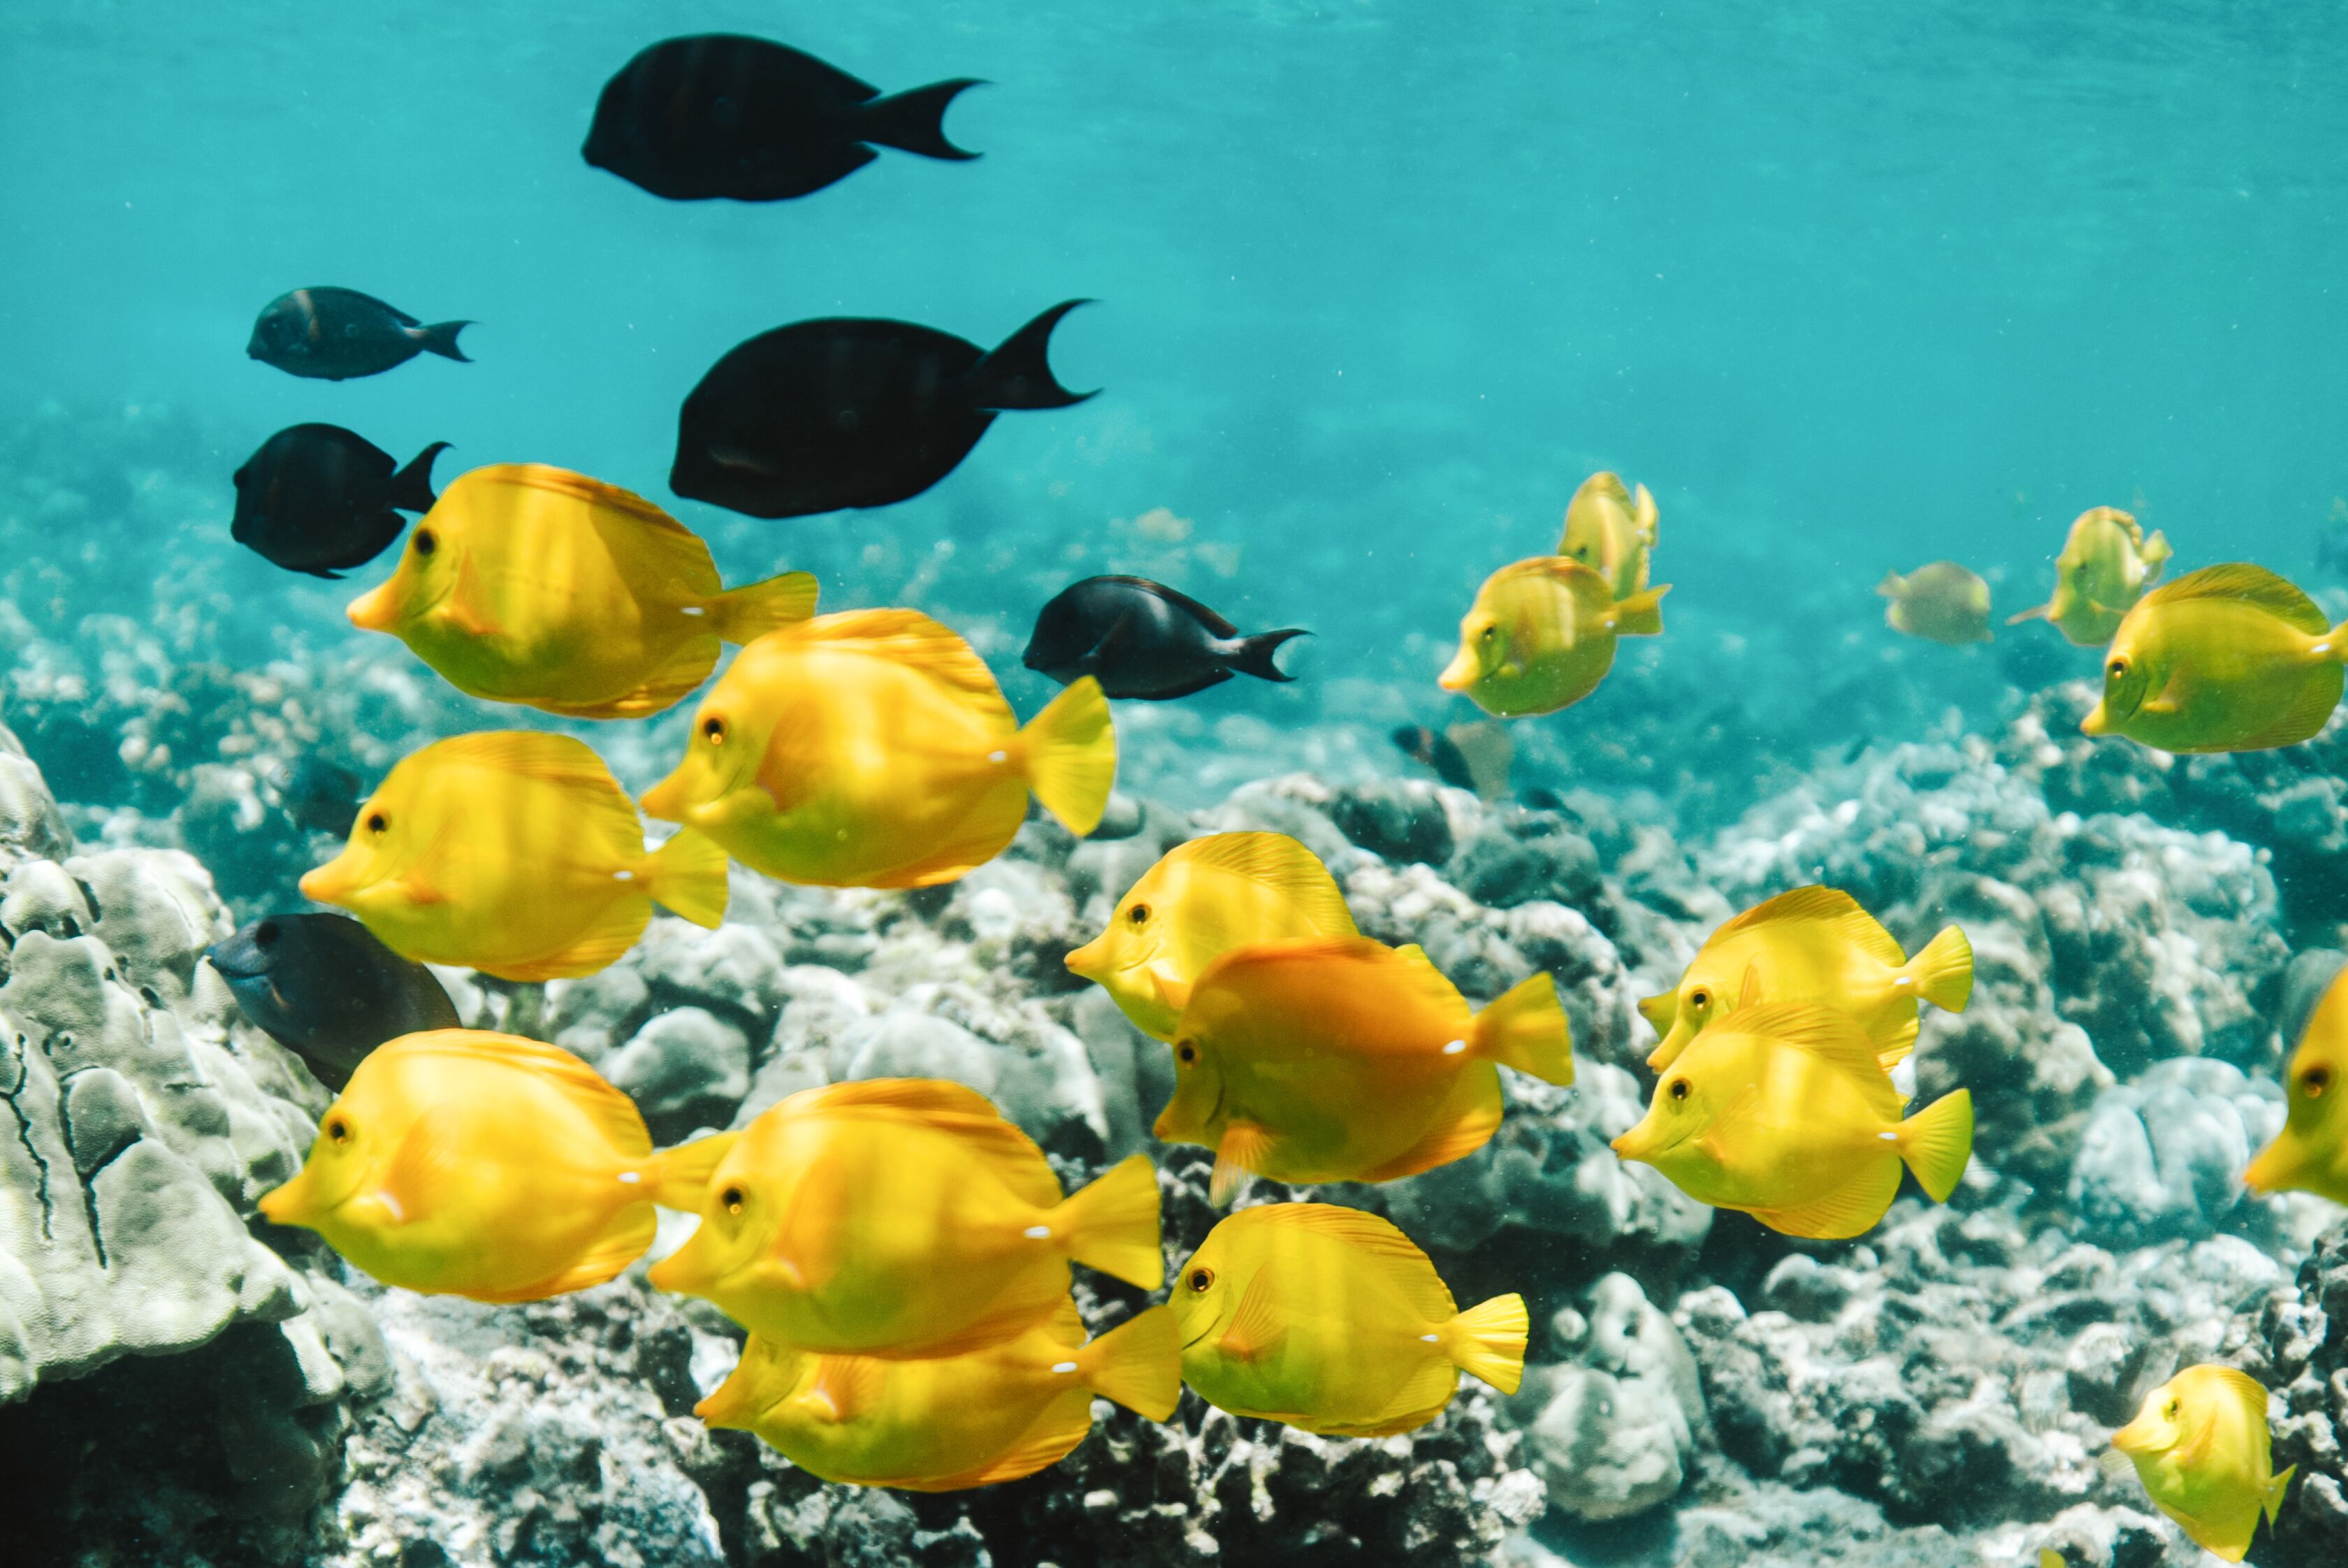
229 971
1084 961
1459 675
2271 1170
666 800
1198 1336
375 610
2096 723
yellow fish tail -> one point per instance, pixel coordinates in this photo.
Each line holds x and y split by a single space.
1112 1226
686 876
2035 612
679 1178
1138 1363
1642 614
739 614
1938 1143
1526 1029
2273 1500
1942 974
1068 754
1488 1341
2155 552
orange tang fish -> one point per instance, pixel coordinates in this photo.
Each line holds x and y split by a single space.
534 584
873 749
903 1217
952 1421
462 1163
1342 1059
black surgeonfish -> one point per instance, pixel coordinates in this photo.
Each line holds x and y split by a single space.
320 499
333 335
721 115
325 989
1142 639
852 412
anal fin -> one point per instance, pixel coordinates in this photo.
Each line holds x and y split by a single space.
1456 1133
1850 1210
623 1243
1056 1434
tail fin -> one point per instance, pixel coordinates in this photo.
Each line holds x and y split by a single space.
1018 374
1893 585
411 487
1252 656
1112 1226
1642 614
1938 1142
1649 519
1489 1341
2335 642
1068 753
440 338
2273 1500
2155 553
1526 1029
1138 1363
679 1176
754 608
2035 612
1944 971
913 121
687 876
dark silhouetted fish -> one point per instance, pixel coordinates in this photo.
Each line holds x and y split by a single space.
1477 756
325 989
333 334
322 796
320 499
843 411
1142 639
721 115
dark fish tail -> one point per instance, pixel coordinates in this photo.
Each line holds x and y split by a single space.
411 487
1018 374
440 338
913 121
1252 655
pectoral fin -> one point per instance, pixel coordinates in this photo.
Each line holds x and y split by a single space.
1257 1329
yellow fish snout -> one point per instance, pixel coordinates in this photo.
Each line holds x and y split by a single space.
333 883
1091 961
1461 672
1635 1144
377 610
289 1205
2095 723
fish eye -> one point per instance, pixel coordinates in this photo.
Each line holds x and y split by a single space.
378 822
733 1199
1201 1279
1699 997
2314 1081
1138 915
1488 632
2174 1406
713 730
426 541
1186 1053
1679 1089
2116 669
338 1129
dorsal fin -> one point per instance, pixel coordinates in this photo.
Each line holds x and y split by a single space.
909 637
581 1085
2239 1384
2244 583
1397 1260
1832 1035
969 1117
1826 906
530 754
1417 971
1282 864
582 487
1205 616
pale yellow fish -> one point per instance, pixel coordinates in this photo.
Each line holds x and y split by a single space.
1940 602
1197 903
1814 945
2106 566
873 748
2228 658
2311 1153
463 1162
514 852
1611 532
1782 1110
2199 1444
1541 635
534 584
1330 1319
948 1422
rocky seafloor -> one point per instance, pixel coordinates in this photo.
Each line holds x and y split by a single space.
181 1383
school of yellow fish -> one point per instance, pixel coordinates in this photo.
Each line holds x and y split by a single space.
900 1253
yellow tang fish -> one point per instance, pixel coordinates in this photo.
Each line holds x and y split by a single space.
1940 602
1331 1320
1541 634
874 749
1814 945
2311 1153
1197 903
2106 565
1782 1110
1337 1059
534 584
903 1217
2228 658
514 852
951 1421
2199 1444
1610 533
461 1163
